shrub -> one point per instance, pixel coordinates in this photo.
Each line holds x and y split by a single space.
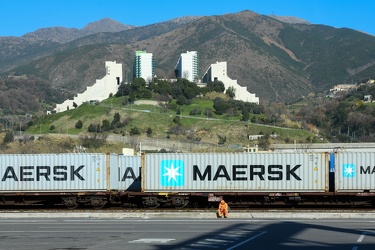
94 128
94 141
79 124
9 137
222 139
134 131
177 119
149 132
196 111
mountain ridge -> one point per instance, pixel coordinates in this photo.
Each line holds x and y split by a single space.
64 35
278 61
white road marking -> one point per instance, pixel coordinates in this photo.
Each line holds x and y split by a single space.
151 241
361 237
217 240
243 242
206 246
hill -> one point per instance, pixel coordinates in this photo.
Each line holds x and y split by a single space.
16 51
64 35
277 60
153 126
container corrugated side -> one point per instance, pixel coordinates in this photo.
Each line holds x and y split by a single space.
254 172
53 172
129 173
355 172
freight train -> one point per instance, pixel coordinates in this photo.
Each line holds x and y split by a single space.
187 180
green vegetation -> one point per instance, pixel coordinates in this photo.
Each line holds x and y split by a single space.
202 116
212 118
346 118
155 121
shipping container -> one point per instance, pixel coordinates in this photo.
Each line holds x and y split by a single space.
58 172
241 172
355 172
129 173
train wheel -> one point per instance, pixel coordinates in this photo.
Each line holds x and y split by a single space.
73 206
150 202
178 202
70 202
98 202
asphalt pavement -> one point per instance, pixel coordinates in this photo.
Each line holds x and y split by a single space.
185 233
332 214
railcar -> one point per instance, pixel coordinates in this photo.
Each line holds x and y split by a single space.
188 180
259 178
69 179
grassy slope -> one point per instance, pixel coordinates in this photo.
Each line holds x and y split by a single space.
150 116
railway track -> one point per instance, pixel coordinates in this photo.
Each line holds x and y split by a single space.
119 209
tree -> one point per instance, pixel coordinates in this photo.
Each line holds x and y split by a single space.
231 92
245 116
9 137
208 112
221 106
196 111
123 90
106 125
79 124
182 100
144 93
138 83
116 123
149 132
177 119
216 86
184 87
163 88
94 128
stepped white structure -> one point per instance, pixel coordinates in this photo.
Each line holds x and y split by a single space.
100 90
218 71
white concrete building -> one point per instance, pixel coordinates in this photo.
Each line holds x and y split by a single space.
188 66
218 71
100 90
143 65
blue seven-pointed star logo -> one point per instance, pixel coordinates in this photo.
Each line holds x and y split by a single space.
171 173
348 170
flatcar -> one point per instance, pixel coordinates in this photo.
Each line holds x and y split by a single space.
188 179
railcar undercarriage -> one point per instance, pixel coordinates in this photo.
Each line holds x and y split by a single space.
186 200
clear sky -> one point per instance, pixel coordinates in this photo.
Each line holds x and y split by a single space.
18 17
